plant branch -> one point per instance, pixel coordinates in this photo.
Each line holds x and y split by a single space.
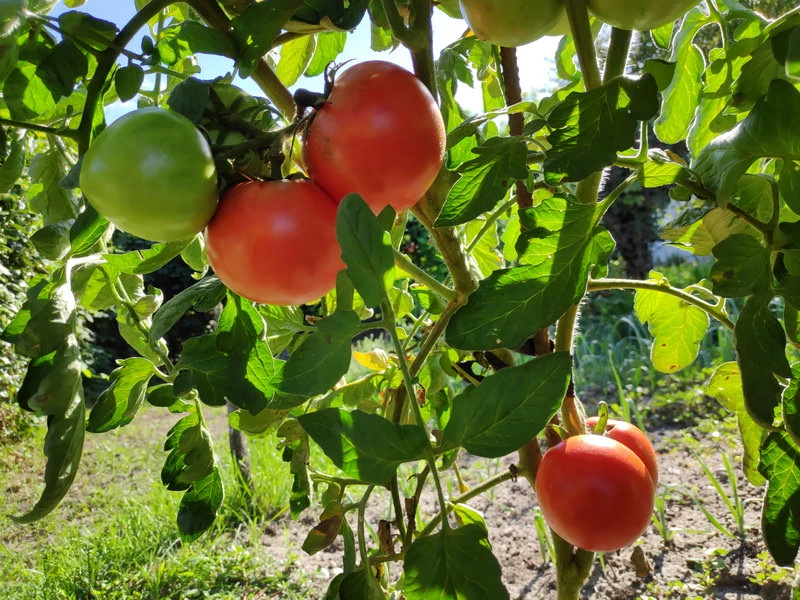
62 132
516 121
404 263
578 15
617 54
398 510
105 63
596 285
490 220
362 538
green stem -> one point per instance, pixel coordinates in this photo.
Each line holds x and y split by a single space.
404 263
617 54
573 568
422 56
489 222
362 538
400 31
105 63
597 285
763 228
723 29
398 510
63 132
578 15
408 380
469 495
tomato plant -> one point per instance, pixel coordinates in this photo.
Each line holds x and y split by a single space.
480 327
640 15
151 174
595 492
259 242
632 437
380 134
513 23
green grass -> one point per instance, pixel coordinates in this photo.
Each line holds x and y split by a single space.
115 536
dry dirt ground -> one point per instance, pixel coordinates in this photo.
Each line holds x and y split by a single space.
698 562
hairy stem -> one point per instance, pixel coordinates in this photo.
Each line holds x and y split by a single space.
402 262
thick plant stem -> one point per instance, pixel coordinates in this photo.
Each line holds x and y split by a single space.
402 262
516 121
578 15
617 55
573 568
105 63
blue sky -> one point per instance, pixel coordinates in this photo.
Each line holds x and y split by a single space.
535 68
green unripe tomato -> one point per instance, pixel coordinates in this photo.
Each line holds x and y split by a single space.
639 15
10 18
512 23
151 173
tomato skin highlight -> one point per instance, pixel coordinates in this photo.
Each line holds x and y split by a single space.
380 135
275 242
639 15
594 492
151 173
634 438
513 23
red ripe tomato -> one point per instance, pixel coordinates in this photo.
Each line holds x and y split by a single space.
275 242
380 134
594 492
634 438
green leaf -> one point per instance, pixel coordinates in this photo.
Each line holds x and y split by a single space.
27 97
485 180
11 169
700 230
677 326
205 40
295 56
90 30
146 261
119 403
330 44
296 452
45 195
366 249
261 423
128 81
86 231
487 257
257 27
761 352
361 585
791 405
508 408
763 133
365 446
52 241
199 506
558 251
323 358
453 565
191 454
605 119
726 386
190 98
202 296
780 464
742 267
53 386
46 319
788 184
62 67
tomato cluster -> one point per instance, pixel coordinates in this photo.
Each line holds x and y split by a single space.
597 491
380 134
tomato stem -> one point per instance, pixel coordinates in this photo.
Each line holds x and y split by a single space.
617 54
62 132
362 538
578 15
402 262
516 121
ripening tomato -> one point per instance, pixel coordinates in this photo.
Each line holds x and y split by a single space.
640 15
275 242
594 492
380 134
513 23
634 438
151 173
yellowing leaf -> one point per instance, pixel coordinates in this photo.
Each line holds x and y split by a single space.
375 360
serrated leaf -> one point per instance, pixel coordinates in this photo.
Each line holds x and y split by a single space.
329 45
780 464
742 267
323 358
90 30
119 403
761 352
605 119
360 585
86 231
45 195
558 252
485 180
365 446
677 326
366 249
53 386
199 505
191 454
26 96
295 56
203 295
763 133
700 230
726 386
453 565
508 408
62 67
261 423
206 40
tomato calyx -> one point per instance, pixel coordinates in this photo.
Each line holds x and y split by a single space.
307 99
